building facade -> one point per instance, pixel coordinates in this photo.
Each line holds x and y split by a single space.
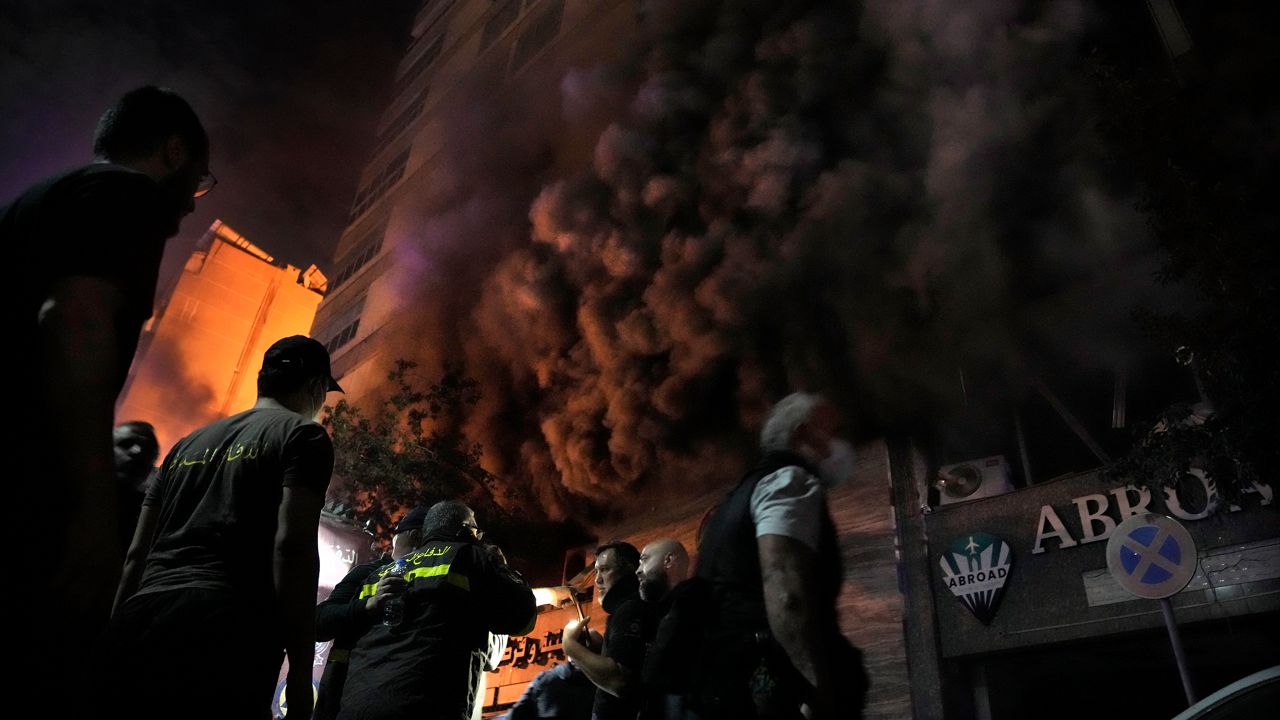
1013 612
454 42
199 356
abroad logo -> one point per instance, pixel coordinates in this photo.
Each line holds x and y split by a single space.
975 569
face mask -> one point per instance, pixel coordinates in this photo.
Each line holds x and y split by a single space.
837 468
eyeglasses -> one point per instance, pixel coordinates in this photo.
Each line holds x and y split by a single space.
475 529
205 184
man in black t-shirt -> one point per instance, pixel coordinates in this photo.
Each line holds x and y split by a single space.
613 663
221 575
85 250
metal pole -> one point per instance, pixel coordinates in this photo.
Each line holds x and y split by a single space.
981 693
1173 34
1022 448
1071 421
1167 608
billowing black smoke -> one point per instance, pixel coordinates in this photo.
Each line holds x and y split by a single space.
637 258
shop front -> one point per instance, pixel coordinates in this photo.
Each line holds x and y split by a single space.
1030 622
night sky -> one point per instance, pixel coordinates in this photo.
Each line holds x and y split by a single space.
290 94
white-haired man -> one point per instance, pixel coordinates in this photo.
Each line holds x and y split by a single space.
771 556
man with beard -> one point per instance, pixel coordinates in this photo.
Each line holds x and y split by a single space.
613 663
86 245
771 566
664 564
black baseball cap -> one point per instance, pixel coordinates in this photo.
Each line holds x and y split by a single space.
412 520
299 353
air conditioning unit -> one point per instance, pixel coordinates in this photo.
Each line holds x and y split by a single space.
973 479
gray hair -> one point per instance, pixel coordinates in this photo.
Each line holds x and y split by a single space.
785 418
445 518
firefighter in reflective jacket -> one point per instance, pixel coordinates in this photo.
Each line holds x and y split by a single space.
343 621
456 593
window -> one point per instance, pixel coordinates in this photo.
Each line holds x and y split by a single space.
432 15
539 31
401 122
344 337
504 13
348 324
424 61
379 185
366 250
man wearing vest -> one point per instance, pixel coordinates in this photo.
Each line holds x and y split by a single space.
428 664
772 566
340 619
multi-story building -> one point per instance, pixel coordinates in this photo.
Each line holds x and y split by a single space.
199 356
977 580
454 42
500 43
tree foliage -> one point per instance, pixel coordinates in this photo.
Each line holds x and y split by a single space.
410 450
1200 153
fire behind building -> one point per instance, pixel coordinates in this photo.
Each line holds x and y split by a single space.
199 355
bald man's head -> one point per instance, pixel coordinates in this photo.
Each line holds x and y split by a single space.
663 564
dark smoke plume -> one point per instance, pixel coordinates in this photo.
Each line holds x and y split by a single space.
759 197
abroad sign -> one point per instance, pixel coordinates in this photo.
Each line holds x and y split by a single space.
1096 515
975 569
1067 595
